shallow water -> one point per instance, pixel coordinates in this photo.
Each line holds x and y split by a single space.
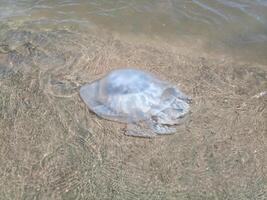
238 27
53 147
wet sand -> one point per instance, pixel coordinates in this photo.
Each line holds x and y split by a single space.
53 147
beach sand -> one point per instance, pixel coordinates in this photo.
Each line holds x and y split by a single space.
53 147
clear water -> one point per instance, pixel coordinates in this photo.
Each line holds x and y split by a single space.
53 147
239 27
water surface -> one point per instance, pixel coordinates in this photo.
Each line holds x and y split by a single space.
238 27
53 147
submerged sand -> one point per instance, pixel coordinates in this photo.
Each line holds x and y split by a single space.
53 147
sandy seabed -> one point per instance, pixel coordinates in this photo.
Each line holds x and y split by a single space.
53 147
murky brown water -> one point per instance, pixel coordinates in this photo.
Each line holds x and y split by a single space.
52 147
